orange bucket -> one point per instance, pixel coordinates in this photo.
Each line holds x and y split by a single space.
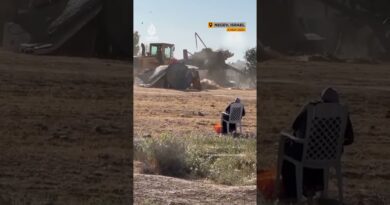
266 183
218 127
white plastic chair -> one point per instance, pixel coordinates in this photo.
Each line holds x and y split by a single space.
235 115
322 146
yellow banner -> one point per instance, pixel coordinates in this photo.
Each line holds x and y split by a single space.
235 29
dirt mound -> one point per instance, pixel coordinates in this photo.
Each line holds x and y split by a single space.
209 84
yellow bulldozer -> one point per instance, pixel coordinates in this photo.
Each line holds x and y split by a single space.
158 54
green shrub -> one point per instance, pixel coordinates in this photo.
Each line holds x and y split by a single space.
166 154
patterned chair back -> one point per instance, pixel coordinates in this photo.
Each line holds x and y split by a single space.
326 124
235 112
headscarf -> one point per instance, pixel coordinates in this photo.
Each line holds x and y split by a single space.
329 95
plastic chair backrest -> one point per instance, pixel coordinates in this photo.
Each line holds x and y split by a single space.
326 124
235 114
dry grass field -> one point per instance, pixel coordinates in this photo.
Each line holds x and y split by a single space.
190 116
65 125
158 111
64 130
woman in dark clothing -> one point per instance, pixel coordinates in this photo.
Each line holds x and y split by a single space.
312 178
225 116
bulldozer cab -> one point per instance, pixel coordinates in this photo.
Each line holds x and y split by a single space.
162 50
158 54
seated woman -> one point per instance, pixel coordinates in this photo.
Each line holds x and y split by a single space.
312 178
225 116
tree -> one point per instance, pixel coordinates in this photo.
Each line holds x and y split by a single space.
251 61
135 43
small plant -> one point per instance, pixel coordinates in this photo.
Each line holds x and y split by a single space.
166 154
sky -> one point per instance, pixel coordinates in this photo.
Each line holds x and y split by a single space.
176 21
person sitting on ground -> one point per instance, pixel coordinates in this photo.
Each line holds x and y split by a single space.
312 178
225 116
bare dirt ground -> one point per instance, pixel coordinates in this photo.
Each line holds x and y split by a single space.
159 111
285 86
168 190
64 130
